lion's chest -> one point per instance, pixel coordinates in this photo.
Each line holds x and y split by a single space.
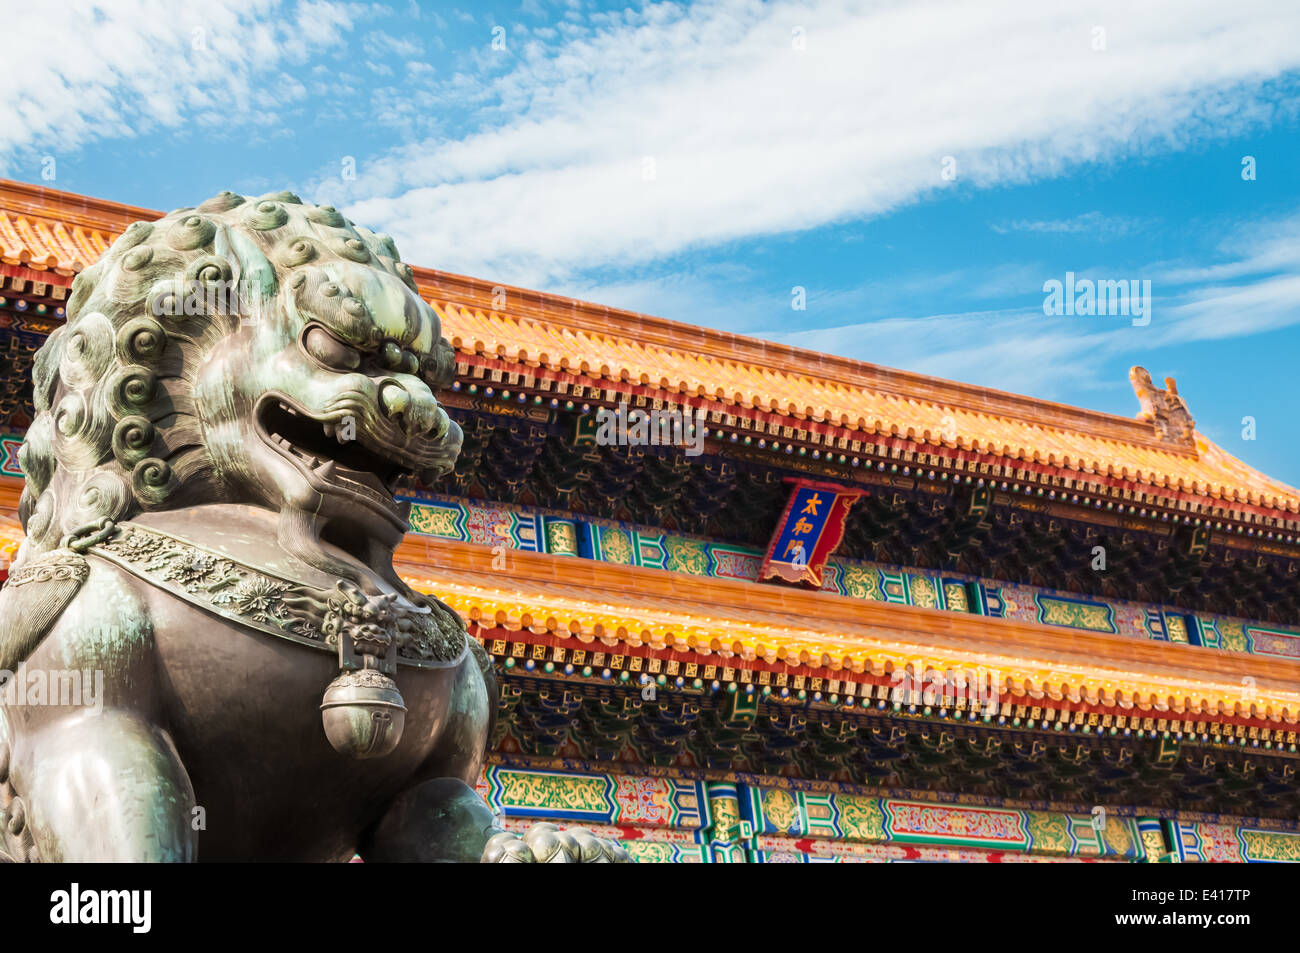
244 709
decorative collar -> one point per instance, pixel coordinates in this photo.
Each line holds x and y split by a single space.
385 627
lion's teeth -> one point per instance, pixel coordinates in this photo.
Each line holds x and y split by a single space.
329 428
326 470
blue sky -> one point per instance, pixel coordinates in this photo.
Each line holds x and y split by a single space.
920 169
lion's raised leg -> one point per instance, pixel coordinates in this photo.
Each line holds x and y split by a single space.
107 787
445 821
442 820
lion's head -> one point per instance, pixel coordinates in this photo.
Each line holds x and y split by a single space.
257 351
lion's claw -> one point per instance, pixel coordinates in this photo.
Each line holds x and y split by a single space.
547 844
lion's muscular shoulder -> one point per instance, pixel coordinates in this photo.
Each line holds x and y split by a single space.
33 598
91 601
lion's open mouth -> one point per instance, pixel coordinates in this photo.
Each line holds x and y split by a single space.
329 451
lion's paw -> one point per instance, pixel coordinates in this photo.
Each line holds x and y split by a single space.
547 844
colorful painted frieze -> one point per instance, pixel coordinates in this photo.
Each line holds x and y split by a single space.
561 534
672 820
9 445
647 845
481 523
771 849
729 827
1199 842
596 798
862 818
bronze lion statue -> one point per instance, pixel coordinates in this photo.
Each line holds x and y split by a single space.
205 649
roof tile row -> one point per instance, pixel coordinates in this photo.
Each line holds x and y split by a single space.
52 231
49 245
1210 472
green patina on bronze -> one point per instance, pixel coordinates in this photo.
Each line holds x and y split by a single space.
221 427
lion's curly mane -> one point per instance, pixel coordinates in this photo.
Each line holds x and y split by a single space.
116 428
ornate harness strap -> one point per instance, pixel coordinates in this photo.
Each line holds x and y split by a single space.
362 709
344 620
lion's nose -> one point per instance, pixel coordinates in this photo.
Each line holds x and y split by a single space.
417 414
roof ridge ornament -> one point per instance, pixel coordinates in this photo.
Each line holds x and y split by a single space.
1163 408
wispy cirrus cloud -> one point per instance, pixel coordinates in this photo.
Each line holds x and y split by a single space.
640 134
86 71
1254 290
1090 224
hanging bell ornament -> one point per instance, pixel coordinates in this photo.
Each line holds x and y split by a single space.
362 710
363 713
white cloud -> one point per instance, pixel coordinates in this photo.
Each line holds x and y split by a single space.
1024 351
975 347
1217 312
378 44
1257 247
1092 224
89 70
751 136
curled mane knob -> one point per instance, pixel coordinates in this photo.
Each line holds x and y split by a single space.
299 252
208 270
130 390
137 258
266 215
141 340
355 249
363 714
153 481
191 232
221 202
326 215
133 439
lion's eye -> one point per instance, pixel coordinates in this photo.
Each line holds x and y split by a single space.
330 351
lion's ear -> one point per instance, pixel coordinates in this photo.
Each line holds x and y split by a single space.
26 502
83 286
45 369
256 273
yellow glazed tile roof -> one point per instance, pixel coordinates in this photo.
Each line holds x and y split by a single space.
1210 472
44 230
729 619
46 245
